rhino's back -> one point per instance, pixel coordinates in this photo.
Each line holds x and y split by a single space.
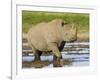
36 37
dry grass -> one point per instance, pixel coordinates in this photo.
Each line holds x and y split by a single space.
83 36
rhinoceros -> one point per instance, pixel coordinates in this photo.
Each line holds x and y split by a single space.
51 36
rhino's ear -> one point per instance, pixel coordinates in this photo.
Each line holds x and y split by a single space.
64 23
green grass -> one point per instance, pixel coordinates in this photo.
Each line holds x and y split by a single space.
29 18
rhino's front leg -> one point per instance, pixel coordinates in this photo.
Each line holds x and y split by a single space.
57 57
61 47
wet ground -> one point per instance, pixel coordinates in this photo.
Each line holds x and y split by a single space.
74 54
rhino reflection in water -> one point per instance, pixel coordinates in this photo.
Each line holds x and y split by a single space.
51 36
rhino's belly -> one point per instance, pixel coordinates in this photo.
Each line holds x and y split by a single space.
41 46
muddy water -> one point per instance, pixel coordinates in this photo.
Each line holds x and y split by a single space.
74 54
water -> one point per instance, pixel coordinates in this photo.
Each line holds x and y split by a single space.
78 53
77 60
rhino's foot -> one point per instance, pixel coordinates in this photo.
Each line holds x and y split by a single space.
58 63
37 61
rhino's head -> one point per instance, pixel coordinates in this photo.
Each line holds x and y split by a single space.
69 32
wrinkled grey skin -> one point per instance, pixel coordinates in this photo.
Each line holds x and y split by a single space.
51 36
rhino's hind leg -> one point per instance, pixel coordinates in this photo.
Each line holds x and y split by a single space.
37 55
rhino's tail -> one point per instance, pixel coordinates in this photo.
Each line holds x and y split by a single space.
24 36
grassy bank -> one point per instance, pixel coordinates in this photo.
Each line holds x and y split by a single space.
29 18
